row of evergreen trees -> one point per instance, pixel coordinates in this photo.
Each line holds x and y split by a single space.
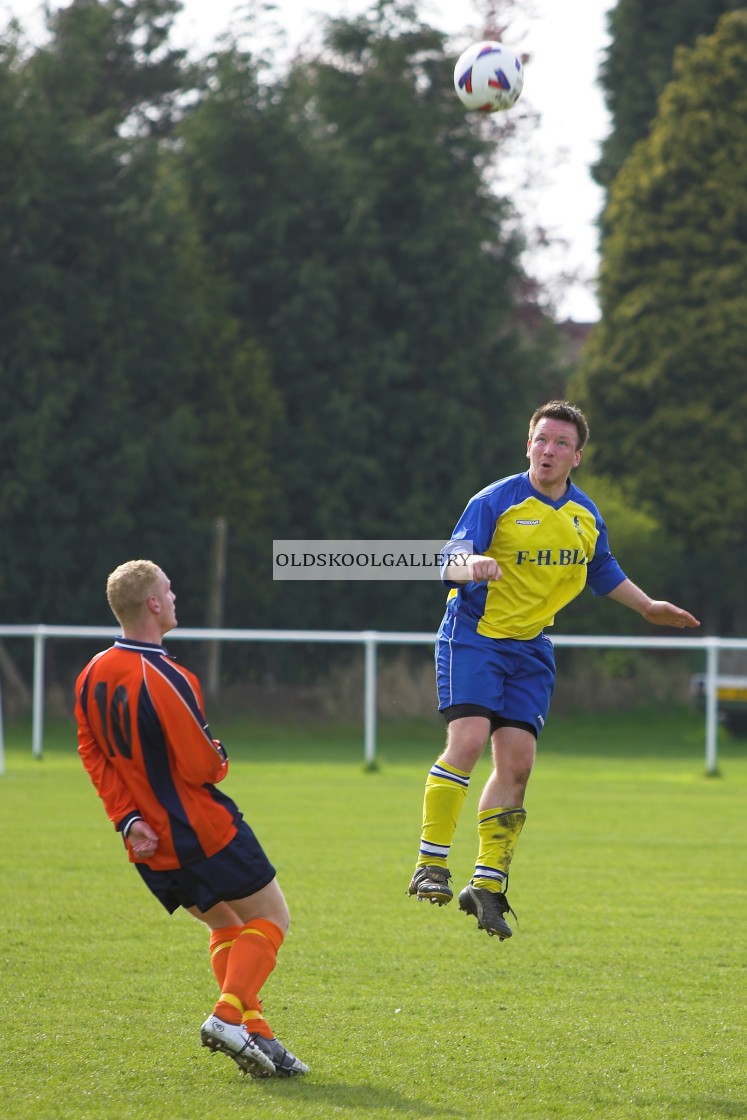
284 300
291 300
664 376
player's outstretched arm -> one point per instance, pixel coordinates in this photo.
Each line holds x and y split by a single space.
656 611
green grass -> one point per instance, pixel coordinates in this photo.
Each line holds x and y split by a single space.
622 994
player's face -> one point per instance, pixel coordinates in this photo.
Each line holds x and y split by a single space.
166 599
552 455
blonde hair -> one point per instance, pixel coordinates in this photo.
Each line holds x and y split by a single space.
129 586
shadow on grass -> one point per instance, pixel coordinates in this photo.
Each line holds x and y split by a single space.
364 1099
694 1106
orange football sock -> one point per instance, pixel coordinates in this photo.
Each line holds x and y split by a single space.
221 941
251 959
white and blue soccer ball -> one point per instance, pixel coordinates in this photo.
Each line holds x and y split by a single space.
488 77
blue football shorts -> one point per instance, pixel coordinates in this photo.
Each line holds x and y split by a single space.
511 679
236 871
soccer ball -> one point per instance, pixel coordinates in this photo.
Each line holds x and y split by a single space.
488 77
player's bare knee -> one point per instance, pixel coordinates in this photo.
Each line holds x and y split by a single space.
465 745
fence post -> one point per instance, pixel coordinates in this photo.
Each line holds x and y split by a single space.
216 600
711 759
369 700
2 734
38 703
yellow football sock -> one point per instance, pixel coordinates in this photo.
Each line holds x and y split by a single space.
498 831
445 791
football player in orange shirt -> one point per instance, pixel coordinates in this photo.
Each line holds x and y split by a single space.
147 747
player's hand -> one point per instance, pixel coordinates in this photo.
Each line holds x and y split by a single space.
661 613
142 839
483 568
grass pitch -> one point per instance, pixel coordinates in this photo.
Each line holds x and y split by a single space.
621 995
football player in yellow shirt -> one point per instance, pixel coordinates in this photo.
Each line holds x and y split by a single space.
524 547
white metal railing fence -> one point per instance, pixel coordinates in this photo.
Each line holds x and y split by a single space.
371 640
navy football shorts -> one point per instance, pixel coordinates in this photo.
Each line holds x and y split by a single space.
512 680
236 871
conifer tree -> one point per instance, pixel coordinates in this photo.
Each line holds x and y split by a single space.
639 62
665 373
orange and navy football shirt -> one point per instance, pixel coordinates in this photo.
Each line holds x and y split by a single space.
547 551
146 745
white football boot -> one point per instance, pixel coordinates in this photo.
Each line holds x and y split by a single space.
235 1041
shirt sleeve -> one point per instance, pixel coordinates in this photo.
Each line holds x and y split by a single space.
604 573
113 791
472 534
198 758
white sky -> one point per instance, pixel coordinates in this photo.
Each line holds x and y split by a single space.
548 179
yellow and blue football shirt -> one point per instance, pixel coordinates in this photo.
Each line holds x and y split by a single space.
547 551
